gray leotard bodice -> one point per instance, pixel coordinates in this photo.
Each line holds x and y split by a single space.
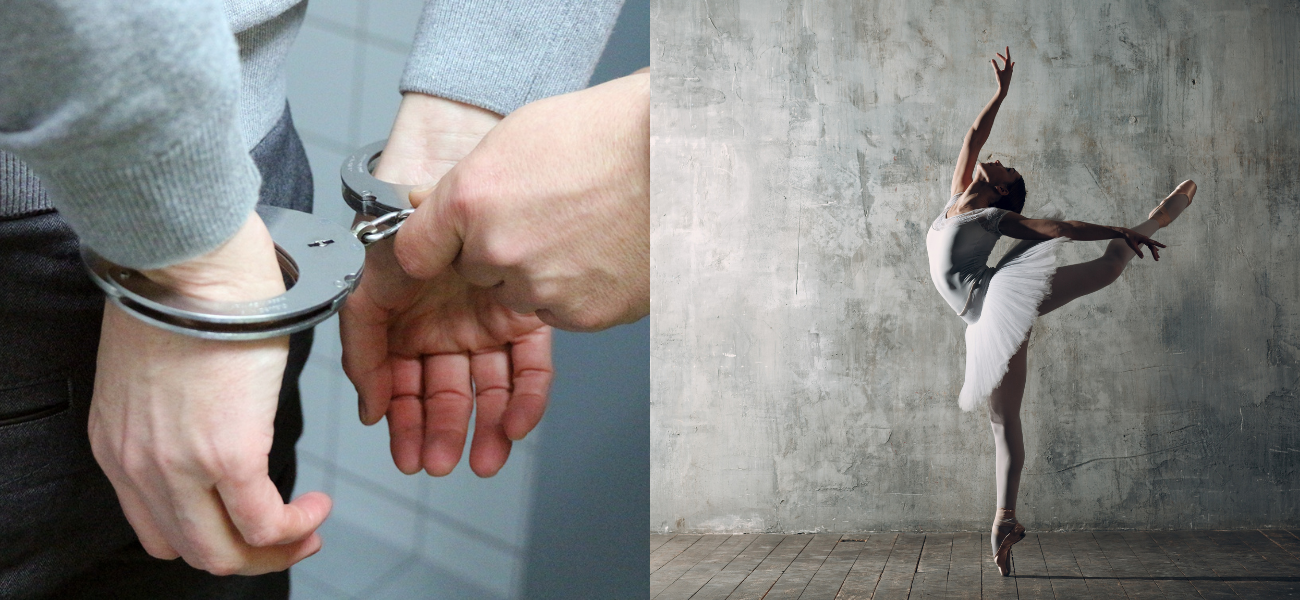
959 249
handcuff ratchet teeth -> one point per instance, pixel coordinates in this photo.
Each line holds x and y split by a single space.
321 263
388 204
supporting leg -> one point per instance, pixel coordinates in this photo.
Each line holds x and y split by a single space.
1008 443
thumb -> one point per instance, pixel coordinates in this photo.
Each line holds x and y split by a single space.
431 237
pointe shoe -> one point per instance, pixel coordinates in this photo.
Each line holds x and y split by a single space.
1010 532
1162 216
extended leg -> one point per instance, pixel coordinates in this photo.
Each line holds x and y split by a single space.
1008 444
1075 281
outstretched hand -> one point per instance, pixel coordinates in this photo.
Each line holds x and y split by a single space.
1136 240
1003 74
429 353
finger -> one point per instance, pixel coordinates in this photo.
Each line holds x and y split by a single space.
448 404
142 521
249 560
134 507
431 237
278 558
151 505
406 414
363 329
1008 51
259 561
490 448
260 514
530 358
210 540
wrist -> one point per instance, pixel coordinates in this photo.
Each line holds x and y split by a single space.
244 268
429 135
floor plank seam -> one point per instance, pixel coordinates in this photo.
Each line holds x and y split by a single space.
693 565
1275 543
729 563
1108 565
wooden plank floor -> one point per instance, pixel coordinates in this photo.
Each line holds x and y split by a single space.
1105 565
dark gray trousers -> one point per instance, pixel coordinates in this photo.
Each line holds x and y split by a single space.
62 532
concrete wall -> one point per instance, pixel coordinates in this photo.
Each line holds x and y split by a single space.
805 371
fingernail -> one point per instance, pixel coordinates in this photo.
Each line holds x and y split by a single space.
361 410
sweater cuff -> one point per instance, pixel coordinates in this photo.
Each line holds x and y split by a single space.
152 211
503 54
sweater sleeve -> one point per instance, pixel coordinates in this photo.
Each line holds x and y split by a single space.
503 54
126 110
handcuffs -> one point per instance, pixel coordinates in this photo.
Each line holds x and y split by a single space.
321 262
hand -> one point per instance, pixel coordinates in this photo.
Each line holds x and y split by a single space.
1136 240
1004 74
551 210
426 352
183 426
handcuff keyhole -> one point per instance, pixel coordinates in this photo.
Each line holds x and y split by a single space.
319 243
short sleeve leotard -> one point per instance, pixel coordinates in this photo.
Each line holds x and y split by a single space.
1000 303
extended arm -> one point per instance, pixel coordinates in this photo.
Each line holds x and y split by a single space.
1017 226
983 126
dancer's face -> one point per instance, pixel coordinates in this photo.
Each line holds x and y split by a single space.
995 173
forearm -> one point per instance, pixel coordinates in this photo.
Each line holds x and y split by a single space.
1080 231
983 126
127 111
503 54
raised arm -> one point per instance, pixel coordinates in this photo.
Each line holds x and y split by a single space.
983 126
1017 226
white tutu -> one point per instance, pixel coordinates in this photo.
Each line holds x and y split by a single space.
1017 287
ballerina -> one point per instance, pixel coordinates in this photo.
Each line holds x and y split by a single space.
999 304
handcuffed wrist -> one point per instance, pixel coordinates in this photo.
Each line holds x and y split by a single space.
243 268
430 134
319 261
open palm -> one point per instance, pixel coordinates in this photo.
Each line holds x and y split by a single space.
427 353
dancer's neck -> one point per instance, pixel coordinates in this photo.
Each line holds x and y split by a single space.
980 194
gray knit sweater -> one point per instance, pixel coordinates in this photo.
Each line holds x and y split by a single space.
137 115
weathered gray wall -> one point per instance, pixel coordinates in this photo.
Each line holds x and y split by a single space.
804 370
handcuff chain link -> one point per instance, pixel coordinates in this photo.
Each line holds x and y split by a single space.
384 227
